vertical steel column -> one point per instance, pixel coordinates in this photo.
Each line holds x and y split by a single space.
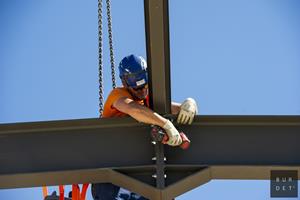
160 166
158 54
158 58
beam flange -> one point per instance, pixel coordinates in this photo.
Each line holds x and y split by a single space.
247 172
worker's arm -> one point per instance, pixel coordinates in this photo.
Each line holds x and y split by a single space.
139 112
146 115
175 108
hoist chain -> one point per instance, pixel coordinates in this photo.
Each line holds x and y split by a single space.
100 49
111 48
100 58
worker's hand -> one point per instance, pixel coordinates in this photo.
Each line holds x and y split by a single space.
173 134
188 110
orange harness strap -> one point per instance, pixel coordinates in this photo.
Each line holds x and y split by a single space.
76 194
45 191
61 192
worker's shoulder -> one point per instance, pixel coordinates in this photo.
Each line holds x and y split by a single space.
120 92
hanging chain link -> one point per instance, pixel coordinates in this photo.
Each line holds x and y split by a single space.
100 58
111 48
100 50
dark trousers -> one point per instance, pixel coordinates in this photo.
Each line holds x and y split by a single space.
108 191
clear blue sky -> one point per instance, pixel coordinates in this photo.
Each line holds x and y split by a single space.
235 57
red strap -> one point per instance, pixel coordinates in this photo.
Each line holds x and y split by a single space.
148 101
76 194
61 192
83 191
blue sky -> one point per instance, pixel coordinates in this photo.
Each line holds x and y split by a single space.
235 57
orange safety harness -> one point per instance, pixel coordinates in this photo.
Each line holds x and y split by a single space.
76 194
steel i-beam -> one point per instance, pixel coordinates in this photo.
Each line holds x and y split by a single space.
39 152
158 54
158 57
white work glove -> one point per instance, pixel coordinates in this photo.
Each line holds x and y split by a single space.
173 134
188 110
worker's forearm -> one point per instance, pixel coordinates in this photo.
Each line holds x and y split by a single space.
146 115
175 108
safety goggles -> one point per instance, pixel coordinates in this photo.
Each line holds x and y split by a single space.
137 80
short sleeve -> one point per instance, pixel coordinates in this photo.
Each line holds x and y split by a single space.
114 95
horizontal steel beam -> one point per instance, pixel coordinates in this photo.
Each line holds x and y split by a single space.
78 151
240 140
73 145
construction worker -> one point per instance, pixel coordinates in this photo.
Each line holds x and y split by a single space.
132 100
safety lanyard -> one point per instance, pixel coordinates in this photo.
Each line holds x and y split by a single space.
76 194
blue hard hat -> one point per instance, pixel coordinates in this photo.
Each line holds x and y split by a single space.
133 69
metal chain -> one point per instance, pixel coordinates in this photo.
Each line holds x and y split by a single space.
100 58
111 48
